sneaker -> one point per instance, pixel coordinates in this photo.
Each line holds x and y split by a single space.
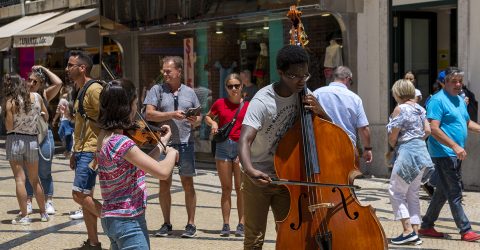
430 232
190 231
240 232
76 215
470 236
29 208
225 230
165 230
49 208
417 242
19 220
402 239
44 217
86 246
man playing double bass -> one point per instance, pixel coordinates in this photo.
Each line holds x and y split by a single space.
272 111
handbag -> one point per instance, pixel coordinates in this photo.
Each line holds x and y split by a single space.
42 128
223 132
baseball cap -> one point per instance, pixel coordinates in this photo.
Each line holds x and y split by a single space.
441 76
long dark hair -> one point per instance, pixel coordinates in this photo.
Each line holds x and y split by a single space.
116 105
16 91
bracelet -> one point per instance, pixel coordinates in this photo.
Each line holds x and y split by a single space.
367 148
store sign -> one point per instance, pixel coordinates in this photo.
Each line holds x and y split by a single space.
32 41
188 62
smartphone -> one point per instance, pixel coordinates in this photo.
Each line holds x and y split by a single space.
192 111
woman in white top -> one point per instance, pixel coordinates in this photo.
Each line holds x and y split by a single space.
22 110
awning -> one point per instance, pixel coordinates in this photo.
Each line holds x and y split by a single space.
44 33
21 24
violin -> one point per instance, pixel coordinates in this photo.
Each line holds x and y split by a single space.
315 160
144 134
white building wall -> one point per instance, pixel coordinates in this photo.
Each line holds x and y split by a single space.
372 56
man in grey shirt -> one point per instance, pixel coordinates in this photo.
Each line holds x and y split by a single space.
166 103
272 111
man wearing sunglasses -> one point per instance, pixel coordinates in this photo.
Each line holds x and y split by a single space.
166 103
270 114
346 108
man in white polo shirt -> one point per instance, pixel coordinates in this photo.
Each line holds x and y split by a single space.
346 109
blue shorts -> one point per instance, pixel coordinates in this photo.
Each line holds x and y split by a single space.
85 176
126 233
226 150
186 164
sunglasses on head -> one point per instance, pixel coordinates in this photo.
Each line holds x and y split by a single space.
236 86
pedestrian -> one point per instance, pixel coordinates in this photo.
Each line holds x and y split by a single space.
272 111
407 130
122 167
85 142
225 110
450 122
47 84
410 76
249 88
345 108
21 111
166 104
65 126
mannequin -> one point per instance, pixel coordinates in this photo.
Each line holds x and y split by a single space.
333 59
261 66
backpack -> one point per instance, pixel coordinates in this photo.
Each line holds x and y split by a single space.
81 96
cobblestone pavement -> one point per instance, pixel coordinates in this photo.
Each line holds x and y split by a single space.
63 233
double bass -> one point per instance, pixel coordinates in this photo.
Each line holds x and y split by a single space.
315 159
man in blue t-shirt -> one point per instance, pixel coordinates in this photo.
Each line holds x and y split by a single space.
450 122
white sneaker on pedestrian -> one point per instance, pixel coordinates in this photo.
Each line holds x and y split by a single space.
49 209
76 215
44 217
19 220
29 208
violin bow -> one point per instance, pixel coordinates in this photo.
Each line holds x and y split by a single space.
109 72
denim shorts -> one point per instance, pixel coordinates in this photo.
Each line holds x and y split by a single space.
126 233
85 176
186 164
226 150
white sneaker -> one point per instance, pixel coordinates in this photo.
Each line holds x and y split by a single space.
49 209
44 217
19 220
76 215
29 208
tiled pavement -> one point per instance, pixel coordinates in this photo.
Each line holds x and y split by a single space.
63 233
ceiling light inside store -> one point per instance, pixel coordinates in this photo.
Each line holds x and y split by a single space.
172 33
326 14
219 31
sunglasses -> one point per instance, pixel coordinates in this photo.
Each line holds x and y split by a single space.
295 77
236 86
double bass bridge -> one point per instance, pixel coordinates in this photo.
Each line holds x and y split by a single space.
314 207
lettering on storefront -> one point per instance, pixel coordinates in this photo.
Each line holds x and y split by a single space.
36 41
188 61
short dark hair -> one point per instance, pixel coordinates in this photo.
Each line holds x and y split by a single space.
84 59
116 105
291 54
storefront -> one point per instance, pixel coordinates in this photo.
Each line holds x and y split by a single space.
228 36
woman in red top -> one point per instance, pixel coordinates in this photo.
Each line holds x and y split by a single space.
226 155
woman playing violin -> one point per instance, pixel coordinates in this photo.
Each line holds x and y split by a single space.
271 113
122 167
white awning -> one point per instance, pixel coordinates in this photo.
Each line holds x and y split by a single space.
44 33
21 24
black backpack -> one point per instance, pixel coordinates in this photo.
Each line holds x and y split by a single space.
81 96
